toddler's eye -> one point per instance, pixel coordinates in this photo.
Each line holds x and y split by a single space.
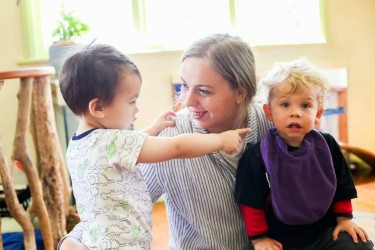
285 105
305 106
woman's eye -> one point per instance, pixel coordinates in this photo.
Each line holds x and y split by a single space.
204 92
184 86
133 102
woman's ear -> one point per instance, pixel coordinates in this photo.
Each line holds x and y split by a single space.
319 115
96 108
267 111
240 96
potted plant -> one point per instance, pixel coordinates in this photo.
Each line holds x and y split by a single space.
68 29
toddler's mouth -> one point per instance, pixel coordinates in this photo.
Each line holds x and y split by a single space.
294 125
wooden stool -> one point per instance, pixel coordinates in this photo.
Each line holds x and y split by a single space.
49 187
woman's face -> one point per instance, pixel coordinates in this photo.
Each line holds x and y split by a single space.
212 103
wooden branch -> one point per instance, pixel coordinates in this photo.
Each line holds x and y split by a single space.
32 128
15 208
21 154
65 178
52 180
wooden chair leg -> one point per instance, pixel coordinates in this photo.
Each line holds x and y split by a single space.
49 156
51 177
14 206
21 154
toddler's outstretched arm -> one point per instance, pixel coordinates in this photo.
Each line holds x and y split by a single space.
156 149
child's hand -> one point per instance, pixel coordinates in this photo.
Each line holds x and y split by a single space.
347 225
162 121
232 139
267 244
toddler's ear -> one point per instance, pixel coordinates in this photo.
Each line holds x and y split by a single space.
267 111
95 108
319 115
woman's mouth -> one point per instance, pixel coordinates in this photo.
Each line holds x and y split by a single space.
198 115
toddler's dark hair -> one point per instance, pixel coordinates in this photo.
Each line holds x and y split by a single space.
93 72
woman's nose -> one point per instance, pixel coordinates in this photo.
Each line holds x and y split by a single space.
188 98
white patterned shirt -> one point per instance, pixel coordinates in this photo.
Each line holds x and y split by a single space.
111 197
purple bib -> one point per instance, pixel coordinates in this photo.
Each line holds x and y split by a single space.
303 181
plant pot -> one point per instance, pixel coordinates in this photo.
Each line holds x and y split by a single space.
58 53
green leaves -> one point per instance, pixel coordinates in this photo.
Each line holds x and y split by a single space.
69 27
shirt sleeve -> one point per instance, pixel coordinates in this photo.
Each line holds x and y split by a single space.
154 173
252 188
255 222
123 148
150 175
345 185
343 208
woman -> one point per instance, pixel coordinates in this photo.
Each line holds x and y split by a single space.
219 82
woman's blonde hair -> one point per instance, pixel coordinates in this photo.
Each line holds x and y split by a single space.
232 57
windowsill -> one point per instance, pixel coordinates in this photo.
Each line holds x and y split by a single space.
33 61
317 43
161 50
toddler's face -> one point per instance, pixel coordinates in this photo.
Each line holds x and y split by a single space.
294 115
120 114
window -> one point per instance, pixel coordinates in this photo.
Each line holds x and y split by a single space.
173 24
271 22
110 21
154 25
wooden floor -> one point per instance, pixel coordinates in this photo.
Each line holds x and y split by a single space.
160 230
366 194
365 203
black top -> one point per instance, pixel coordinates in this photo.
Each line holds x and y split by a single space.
252 190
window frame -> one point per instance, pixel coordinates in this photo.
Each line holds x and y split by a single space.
35 47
